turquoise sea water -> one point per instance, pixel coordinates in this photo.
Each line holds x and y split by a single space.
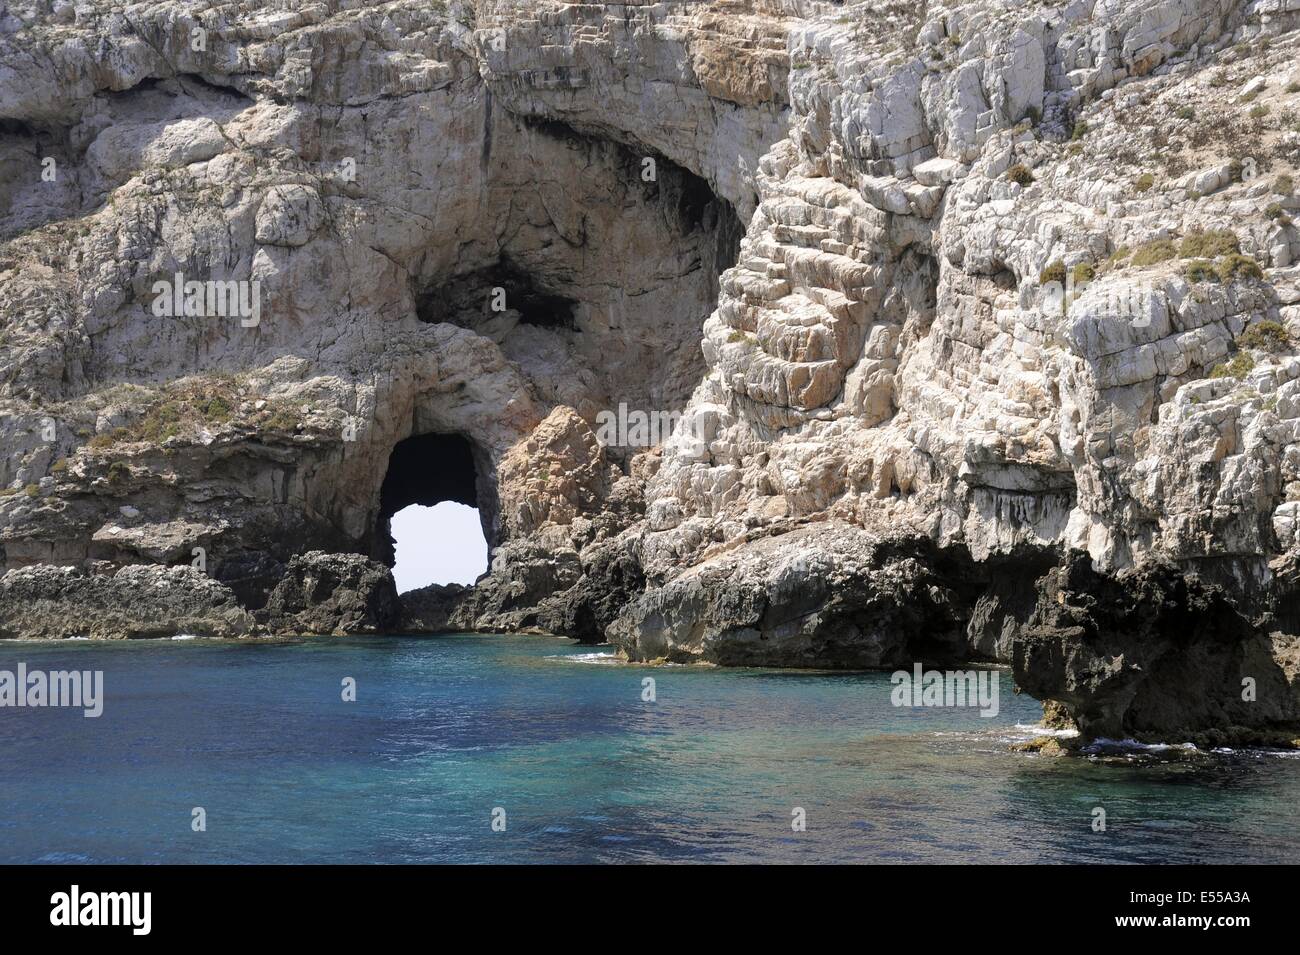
446 729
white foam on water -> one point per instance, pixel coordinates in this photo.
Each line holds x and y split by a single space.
600 659
1035 730
1257 752
1102 744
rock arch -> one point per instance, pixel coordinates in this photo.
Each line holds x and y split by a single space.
429 469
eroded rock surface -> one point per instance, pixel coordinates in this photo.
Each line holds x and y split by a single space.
948 295
333 594
52 603
825 595
1154 654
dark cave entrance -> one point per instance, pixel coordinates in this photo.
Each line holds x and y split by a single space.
535 272
428 470
522 292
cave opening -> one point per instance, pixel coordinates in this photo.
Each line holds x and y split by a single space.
467 299
425 472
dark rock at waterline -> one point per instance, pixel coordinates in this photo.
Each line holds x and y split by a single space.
431 609
1155 654
612 577
138 601
251 576
826 595
524 576
561 592
323 593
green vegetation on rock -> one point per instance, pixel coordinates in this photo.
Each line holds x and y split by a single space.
1209 244
1238 367
1154 252
1020 174
1266 336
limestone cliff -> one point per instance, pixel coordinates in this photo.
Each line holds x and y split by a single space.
980 319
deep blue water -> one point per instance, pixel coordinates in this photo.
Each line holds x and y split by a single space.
446 729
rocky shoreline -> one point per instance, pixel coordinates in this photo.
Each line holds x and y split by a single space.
1151 655
979 325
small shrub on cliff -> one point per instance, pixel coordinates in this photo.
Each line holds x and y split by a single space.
1117 258
1266 336
1083 273
1209 245
1154 252
32 490
59 466
1259 111
1238 367
1284 185
1020 174
1080 130
1144 182
1236 266
1200 270
281 416
217 410
162 422
1293 86
1055 272
1185 112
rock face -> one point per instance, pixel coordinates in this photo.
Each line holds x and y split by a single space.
1155 654
932 300
52 603
826 595
333 594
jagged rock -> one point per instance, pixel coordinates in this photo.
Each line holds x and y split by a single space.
823 596
137 602
430 609
289 215
1155 654
333 594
